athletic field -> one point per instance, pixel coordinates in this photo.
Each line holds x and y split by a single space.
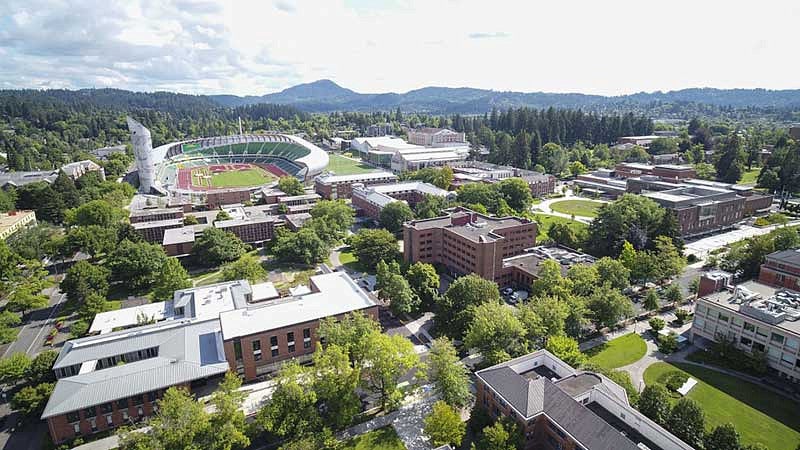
342 165
230 176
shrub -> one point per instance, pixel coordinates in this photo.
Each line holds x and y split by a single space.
674 380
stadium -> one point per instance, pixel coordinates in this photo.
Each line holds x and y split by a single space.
191 170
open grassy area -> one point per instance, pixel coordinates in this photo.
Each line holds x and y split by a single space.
544 222
583 208
381 439
241 178
750 176
618 352
758 414
341 165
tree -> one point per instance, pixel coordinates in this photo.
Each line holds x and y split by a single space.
222 215
563 234
36 242
92 239
41 368
668 343
730 165
26 297
516 192
30 400
654 402
609 306
247 267
424 281
337 216
83 278
543 317
136 265
612 272
335 384
646 266
291 185
628 256
95 212
687 422
656 324
173 277
227 422
577 168
394 215
553 158
303 246
371 246
180 422
92 305
444 426
550 281
663 146
502 435
350 333
496 332
480 194
14 368
566 349
634 218
390 357
722 437
398 293
673 294
671 263
190 220
448 373
215 247
584 278
651 300
291 411
455 308
430 206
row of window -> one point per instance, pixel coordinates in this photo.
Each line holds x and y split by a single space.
273 344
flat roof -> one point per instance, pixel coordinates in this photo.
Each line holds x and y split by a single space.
336 294
181 235
480 230
105 322
419 186
727 300
332 178
157 224
8 220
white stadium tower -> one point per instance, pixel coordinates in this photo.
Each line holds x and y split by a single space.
185 169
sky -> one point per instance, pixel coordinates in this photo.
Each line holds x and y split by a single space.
254 47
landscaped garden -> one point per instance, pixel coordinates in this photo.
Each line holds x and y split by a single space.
381 439
584 208
758 414
618 352
341 165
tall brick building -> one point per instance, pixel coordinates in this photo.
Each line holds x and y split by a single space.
332 187
468 242
781 269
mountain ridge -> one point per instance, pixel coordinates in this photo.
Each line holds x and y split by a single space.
326 96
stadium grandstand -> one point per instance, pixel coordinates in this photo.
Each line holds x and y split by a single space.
193 168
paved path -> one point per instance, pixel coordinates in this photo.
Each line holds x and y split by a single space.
544 207
408 421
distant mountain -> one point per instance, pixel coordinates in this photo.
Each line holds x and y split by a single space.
325 96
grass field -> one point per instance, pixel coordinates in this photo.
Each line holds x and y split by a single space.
618 352
381 439
254 176
544 222
759 415
583 208
341 165
750 176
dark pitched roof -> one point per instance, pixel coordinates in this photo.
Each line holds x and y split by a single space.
791 256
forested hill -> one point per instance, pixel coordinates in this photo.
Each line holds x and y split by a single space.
325 95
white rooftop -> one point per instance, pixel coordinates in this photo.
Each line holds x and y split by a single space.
264 291
335 294
106 322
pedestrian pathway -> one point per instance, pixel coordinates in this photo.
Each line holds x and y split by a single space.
408 421
544 207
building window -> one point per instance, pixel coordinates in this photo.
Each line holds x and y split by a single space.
73 417
122 403
257 350
722 317
106 408
76 427
749 327
139 411
290 337
151 396
90 412
777 338
273 341
109 421
745 341
124 414
93 424
291 348
792 343
138 399
275 352
237 349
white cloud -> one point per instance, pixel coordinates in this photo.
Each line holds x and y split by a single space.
255 47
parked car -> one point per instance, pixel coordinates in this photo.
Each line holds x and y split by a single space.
507 291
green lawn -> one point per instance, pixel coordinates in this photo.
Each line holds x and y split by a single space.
341 165
381 439
750 176
618 352
759 415
544 222
241 178
584 208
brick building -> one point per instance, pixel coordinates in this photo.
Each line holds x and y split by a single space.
558 407
370 201
220 197
14 221
522 270
436 137
152 215
332 187
781 269
466 172
154 231
468 242
114 378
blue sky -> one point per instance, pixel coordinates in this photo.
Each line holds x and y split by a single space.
260 46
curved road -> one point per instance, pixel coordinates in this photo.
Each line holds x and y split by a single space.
544 207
